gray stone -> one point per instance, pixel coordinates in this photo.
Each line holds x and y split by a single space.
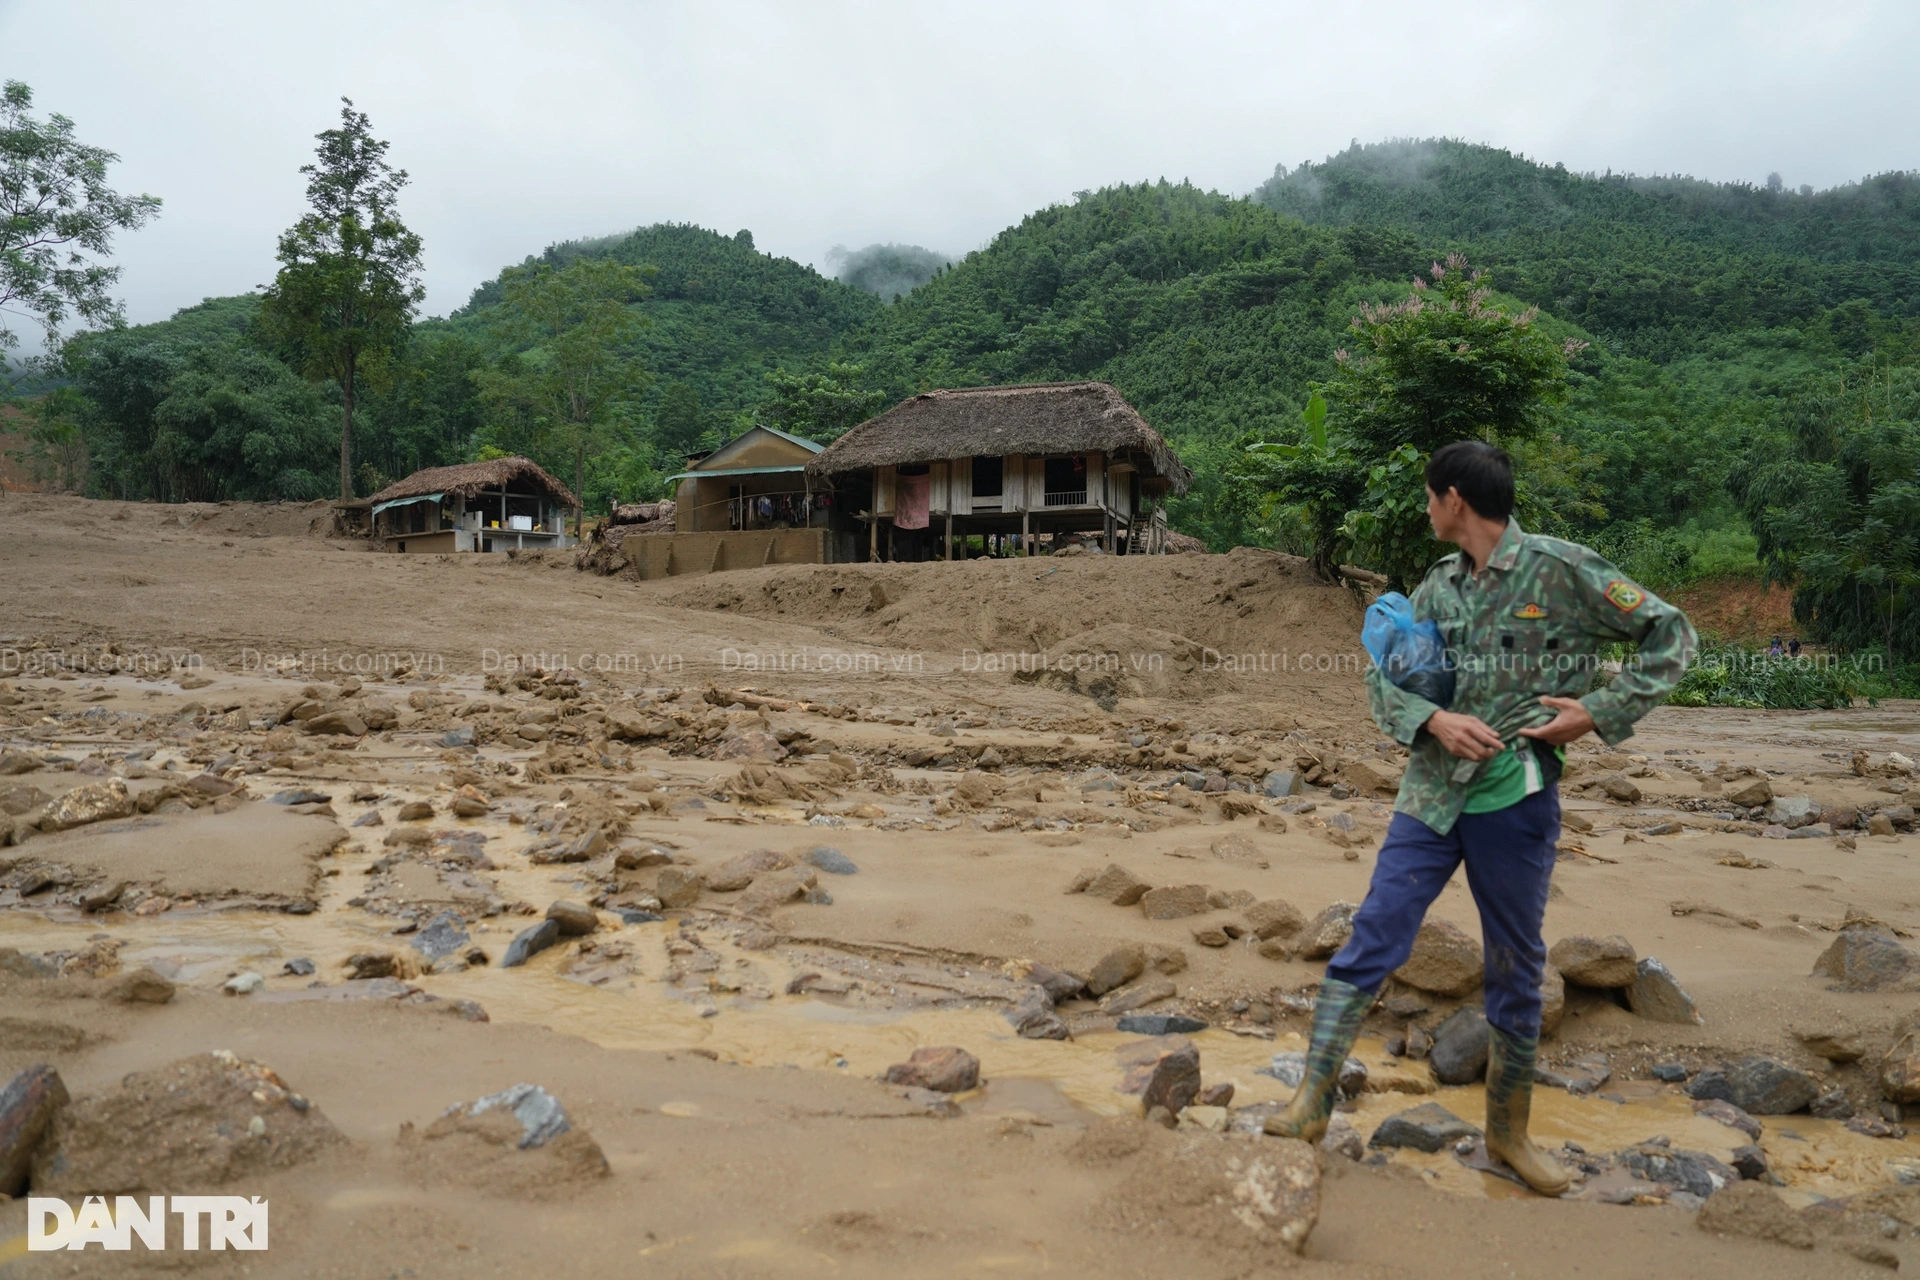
739 872
1174 1081
1117 885
299 795
1727 1114
299 967
1119 966
1427 1127
632 915
1327 932
1751 795
831 861
1792 812
1620 788
1290 1068
1058 984
1867 960
1831 1105
1034 1018
442 937
1579 1076
28 1106
1280 784
1900 1068
1444 962
461 736
1749 1161
941 1068
1758 1085
530 942
1274 918
1694 1172
1172 902
1459 1054
1657 995
1594 962
678 886
1670 1072
541 1117
1813 831
1160 1024
574 919
1138 996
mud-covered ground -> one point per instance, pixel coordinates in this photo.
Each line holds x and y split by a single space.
233 747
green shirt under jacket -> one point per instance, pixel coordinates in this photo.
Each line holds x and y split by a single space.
1529 626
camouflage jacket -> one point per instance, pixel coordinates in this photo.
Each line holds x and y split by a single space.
1528 627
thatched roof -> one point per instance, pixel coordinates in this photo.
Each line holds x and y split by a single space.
469 478
1055 417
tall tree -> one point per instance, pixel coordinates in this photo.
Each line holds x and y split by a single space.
55 209
349 269
573 381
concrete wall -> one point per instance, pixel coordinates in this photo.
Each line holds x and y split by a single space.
662 555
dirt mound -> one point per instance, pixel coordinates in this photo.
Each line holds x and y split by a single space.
1249 613
1740 610
517 1143
205 1121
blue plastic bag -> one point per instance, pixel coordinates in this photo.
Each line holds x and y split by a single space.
1413 655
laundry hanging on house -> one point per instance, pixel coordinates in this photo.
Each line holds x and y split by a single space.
911 496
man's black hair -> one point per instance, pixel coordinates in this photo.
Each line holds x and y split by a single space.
1483 474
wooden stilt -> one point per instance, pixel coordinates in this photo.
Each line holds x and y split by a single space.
948 551
873 540
1026 535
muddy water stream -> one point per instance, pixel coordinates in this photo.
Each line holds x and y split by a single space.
739 1016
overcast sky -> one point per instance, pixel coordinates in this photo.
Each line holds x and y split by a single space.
822 124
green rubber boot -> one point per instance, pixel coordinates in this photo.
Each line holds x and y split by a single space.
1337 1014
1510 1105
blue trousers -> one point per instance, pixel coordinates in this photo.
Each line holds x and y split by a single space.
1509 855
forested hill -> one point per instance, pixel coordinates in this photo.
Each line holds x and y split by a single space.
1657 266
724 314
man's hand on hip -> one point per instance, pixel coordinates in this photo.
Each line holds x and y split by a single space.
1465 736
1573 721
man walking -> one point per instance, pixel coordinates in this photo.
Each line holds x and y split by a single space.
1523 616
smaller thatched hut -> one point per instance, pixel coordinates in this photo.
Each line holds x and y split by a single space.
1002 463
496 505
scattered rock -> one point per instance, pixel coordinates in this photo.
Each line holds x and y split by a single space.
415 811
541 1117
1290 1068
1280 784
1620 788
205 1121
363 966
28 1107
1831 1105
1119 966
678 887
243 984
1754 1209
299 967
574 919
1752 794
1867 960
1579 1076
1274 918
1758 1085
943 1069
1117 885
530 942
1427 1127
1327 932
1727 1114
1445 961
1138 996
140 986
1749 1161
1793 812
1058 984
737 873
1657 995
1595 962
1694 1172
1459 1054
1161 1024
831 861
1174 1081
778 888
442 937
1033 1017
1900 1069
1172 902
1553 1000
93 802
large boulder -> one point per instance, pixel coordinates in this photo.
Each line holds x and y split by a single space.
1658 996
1459 1053
1327 932
93 802
1445 961
1427 1127
1867 960
1759 1086
942 1068
28 1106
1595 962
